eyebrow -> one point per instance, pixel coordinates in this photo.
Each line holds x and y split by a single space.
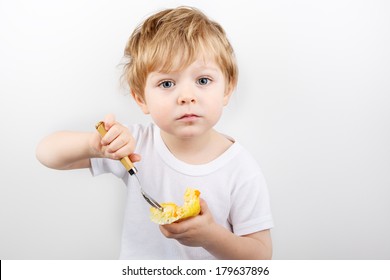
199 65
196 68
206 66
209 68
157 75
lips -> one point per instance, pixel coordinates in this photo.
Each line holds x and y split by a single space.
188 117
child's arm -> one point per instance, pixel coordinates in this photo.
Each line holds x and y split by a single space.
217 240
66 150
71 150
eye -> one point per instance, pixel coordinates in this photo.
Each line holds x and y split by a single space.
203 81
166 84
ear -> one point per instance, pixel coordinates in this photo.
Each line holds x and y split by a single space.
141 102
228 93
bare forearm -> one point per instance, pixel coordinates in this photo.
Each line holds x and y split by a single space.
65 150
226 245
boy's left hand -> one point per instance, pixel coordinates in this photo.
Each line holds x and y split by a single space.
194 231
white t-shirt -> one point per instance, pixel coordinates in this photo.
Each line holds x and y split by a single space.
232 185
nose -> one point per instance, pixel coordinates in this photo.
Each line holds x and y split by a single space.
186 97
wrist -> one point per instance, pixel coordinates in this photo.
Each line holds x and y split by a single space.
215 233
94 147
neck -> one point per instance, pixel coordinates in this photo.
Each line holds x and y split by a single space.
197 150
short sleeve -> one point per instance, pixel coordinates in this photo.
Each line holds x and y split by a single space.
104 165
250 208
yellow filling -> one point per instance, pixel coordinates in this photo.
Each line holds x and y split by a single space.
173 213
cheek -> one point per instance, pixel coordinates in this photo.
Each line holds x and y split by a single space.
157 114
217 108
159 111
216 104
216 113
213 109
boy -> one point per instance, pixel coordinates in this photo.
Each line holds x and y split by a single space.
181 71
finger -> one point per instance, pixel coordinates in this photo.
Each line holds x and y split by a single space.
112 134
109 121
175 228
203 206
120 141
166 232
117 154
170 232
135 157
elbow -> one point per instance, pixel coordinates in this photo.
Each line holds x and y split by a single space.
43 155
267 251
40 154
263 254
267 255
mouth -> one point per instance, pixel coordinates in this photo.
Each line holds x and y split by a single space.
188 117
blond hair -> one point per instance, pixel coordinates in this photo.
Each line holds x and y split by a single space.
171 40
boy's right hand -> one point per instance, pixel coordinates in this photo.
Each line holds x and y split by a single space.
116 144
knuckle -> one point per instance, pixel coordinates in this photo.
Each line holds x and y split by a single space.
122 141
176 229
114 129
114 155
167 233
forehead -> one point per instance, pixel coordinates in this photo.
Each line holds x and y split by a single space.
200 65
181 60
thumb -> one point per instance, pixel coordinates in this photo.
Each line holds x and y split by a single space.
109 121
203 206
135 157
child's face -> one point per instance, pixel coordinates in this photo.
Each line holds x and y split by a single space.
189 102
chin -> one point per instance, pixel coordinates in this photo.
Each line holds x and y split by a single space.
192 131
188 131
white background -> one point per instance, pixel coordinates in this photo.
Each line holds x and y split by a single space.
312 105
